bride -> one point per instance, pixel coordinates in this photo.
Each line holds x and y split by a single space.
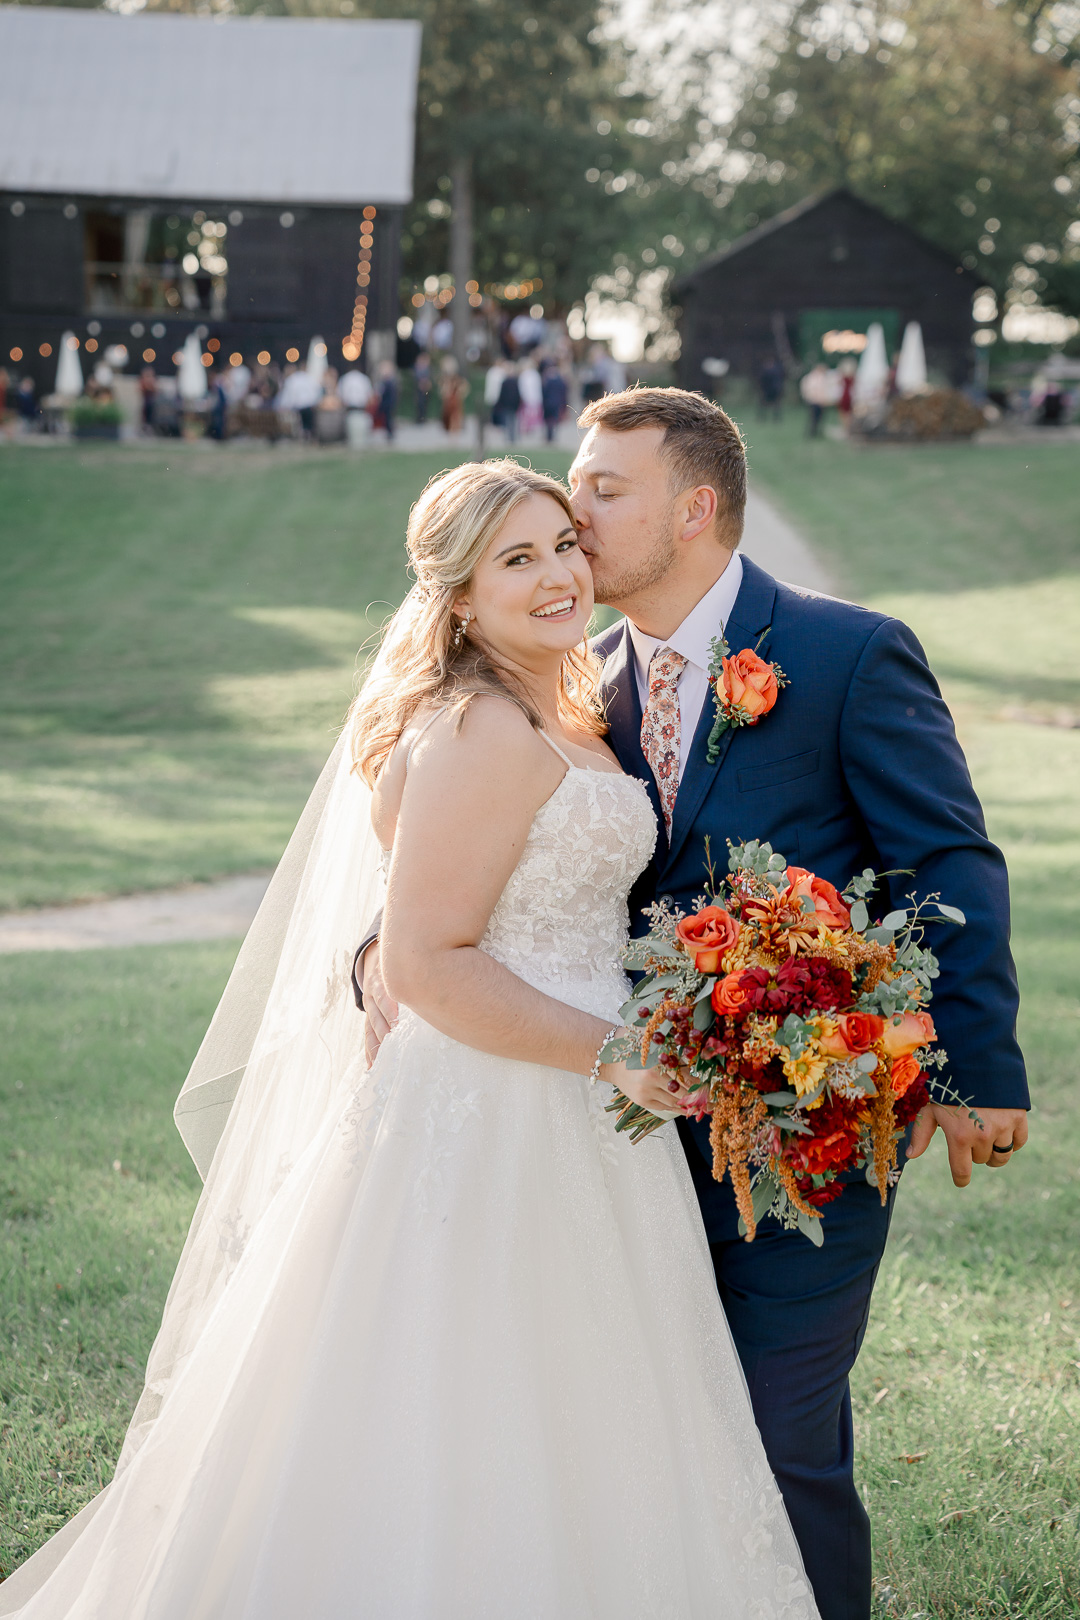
441 1345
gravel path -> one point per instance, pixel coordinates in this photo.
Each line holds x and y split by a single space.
224 910
220 910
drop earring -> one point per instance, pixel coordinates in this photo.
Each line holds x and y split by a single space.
459 633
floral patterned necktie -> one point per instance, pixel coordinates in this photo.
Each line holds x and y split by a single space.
661 730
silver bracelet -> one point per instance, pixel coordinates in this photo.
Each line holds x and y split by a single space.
594 1072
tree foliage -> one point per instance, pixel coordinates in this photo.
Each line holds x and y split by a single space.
529 96
938 110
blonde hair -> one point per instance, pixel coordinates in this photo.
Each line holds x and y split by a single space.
450 529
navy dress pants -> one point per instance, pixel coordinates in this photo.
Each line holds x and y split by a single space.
798 1315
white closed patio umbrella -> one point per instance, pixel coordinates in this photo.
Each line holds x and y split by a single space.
872 377
191 373
69 377
911 366
316 360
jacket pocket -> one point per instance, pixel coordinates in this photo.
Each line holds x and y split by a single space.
778 771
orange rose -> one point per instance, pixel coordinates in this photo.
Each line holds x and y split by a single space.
750 683
905 1072
828 905
707 935
906 1031
727 995
854 1033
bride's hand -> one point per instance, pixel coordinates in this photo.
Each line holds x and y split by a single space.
649 1088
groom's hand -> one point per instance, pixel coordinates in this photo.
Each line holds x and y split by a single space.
380 1009
991 1138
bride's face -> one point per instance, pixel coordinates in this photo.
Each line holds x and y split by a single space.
532 593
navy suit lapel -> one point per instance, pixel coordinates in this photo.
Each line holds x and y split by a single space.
751 615
624 718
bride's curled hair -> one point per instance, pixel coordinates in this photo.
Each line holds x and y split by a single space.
450 528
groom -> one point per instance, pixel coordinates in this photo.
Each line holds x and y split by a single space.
857 765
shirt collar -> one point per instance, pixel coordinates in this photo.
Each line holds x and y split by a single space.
693 637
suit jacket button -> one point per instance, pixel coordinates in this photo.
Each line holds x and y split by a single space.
666 899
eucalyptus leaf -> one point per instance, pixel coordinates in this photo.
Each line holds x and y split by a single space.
895 920
859 916
810 1227
705 991
703 1015
867 1062
763 1195
953 913
784 1123
780 1099
880 936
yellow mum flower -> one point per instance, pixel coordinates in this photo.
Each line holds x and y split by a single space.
805 1072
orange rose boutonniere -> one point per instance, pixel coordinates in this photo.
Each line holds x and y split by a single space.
745 687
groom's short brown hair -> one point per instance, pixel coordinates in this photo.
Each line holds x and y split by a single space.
701 444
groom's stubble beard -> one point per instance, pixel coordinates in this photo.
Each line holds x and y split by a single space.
613 585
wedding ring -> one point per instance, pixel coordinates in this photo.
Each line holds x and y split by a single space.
1007 1149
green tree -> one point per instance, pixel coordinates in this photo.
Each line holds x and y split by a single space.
946 113
519 116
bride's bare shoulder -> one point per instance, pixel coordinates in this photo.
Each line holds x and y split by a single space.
487 730
491 741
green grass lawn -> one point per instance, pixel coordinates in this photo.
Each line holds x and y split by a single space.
179 628
205 632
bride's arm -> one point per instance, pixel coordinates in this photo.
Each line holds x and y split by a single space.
466 809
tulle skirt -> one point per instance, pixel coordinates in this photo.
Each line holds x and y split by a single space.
471 1366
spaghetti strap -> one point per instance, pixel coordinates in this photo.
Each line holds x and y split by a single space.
557 750
430 721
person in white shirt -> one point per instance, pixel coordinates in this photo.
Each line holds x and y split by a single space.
355 390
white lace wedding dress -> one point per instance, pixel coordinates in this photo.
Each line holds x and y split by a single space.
472 1364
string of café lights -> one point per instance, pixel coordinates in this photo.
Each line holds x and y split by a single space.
510 292
352 345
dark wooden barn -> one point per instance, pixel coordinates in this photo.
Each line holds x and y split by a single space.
243 178
807 284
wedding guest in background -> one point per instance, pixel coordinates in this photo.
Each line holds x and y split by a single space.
388 395
424 384
818 389
26 402
453 389
556 397
237 383
148 387
845 403
355 390
493 381
215 426
532 397
509 403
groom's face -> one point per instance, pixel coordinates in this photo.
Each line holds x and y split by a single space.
622 496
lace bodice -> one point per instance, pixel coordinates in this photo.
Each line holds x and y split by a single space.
562 919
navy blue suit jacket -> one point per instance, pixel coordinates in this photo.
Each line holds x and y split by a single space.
857 765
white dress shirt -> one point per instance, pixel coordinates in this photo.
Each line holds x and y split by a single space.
692 640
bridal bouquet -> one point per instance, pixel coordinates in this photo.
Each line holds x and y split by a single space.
803 1027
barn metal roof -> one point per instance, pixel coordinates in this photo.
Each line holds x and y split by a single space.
779 222
245 109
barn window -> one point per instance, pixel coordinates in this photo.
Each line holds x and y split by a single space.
138 260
